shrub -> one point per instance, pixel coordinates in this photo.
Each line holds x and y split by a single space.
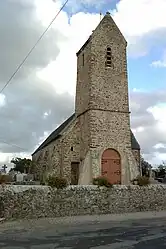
42 182
5 179
141 181
102 181
56 182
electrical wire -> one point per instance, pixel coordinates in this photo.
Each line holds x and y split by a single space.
13 145
31 50
24 60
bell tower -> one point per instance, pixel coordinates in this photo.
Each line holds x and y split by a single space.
102 105
102 70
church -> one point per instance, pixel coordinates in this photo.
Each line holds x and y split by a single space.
97 139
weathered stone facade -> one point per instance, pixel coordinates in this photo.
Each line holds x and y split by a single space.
102 118
58 156
36 202
137 156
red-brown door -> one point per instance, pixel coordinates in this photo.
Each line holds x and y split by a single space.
111 166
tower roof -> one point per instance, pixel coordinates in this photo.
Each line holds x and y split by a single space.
107 18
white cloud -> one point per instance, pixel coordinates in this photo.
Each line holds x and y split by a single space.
158 146
4 157
148 123
139 17
157 112
160 63
2 100
143 23
159 158
30 105
62 72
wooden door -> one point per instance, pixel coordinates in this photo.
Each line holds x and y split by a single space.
74 173
111 166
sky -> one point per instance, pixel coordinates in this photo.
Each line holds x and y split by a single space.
41 95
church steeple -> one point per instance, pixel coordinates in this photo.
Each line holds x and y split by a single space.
102 70
109 24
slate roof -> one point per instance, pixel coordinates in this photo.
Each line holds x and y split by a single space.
57 133
84 45
134 143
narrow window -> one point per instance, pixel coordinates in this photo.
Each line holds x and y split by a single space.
83 59
72 148
108 57
74 173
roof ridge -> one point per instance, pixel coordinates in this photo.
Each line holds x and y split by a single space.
55 134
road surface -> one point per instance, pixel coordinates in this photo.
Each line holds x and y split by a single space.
132 231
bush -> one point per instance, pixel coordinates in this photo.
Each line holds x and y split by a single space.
141 181
42 182
56 182
5 179
102 181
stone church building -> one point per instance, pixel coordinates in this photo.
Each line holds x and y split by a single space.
96 140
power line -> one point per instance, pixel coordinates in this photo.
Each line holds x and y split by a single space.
13 145
24 60
31 50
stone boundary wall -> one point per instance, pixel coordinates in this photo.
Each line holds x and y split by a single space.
27 202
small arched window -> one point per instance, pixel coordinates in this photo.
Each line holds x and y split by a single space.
108 57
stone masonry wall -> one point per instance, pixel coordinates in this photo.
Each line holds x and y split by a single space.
109 85
19 202
48 159
58 155
70 148
83 80
137 155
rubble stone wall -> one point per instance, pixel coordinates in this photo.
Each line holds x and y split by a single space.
28 202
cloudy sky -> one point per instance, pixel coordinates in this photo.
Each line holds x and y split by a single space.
41 95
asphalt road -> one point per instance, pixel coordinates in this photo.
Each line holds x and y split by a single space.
135 231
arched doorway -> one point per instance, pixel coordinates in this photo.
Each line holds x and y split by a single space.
111 166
